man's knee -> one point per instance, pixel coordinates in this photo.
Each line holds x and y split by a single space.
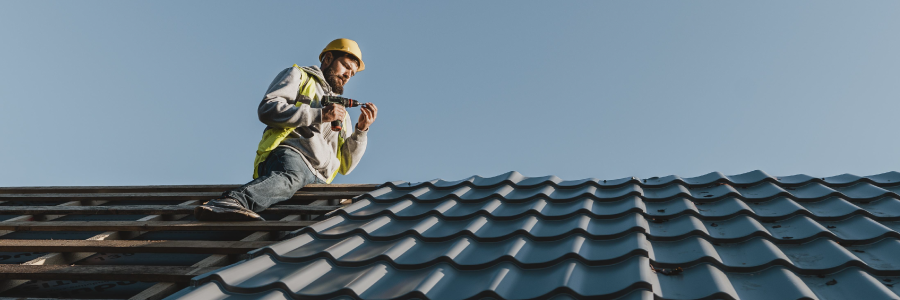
292 167
295 179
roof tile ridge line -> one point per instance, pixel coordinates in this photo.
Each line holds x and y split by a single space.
763 220
490 196
278 285
650 238
506 258
642 183
774 180
785 194
861 180
634 180
560 290
271 253
346 291
415 294
727 180
819 180
638 210
498 196
591 182
735 194
565 290
880 187
639 229
763 234
514 184
569 256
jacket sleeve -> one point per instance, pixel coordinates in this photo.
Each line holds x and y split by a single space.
352 151
278 108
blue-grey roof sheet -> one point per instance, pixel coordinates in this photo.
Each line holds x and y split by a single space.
747 236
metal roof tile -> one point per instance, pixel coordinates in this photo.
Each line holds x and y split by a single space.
715 284
778 206
831 207
887 207
724 207
795 179
818 254
754 252
772 283
863 190
856 228
881 255
885 178
750 177
746 236
812 190
851 283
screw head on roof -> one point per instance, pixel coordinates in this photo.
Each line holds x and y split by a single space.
668 272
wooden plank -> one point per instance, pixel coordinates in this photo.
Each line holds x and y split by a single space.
341 187
219 188
71 257
301 209
154 226
38 217
132 246
180 196
96 272
9 284
161 290
147 210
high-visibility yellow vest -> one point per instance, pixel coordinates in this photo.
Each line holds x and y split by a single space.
273 137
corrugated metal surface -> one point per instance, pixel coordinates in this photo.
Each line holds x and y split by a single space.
748 236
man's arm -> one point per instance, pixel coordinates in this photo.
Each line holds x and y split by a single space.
354 147
278 108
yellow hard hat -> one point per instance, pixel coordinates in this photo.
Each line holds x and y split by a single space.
345 45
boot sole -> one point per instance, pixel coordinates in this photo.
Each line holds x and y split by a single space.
208 213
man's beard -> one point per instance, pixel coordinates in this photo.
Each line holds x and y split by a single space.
336 86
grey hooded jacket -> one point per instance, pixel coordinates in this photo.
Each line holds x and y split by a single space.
312 138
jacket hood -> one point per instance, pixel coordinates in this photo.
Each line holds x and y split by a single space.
320 77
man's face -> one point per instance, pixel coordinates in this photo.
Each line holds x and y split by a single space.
338 71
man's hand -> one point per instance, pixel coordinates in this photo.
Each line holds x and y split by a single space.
367 115
334 112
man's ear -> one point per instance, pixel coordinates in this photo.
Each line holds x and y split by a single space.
327 58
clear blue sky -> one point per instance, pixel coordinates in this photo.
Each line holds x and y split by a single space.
165 92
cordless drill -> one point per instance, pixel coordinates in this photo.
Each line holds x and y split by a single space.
336 125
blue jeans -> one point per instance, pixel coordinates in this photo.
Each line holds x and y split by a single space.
280 176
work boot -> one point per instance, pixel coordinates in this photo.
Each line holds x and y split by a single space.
225 209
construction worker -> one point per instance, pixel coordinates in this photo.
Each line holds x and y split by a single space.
299 146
